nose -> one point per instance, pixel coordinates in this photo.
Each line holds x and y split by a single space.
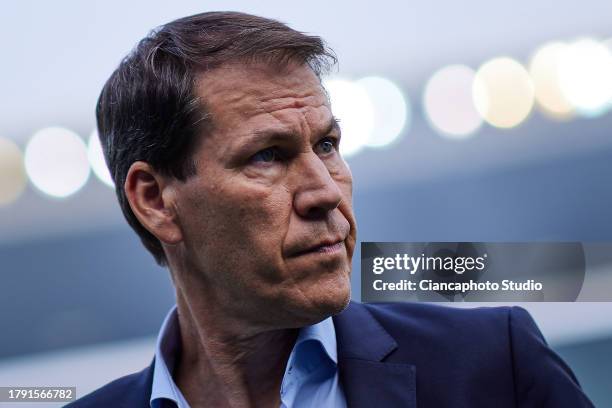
317 193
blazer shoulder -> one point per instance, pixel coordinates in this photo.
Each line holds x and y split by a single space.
439 318
443 330
132 390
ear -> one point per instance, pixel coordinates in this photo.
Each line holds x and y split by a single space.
151 197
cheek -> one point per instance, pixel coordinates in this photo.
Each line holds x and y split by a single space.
241 225
261 214
340 171
346 208
344 181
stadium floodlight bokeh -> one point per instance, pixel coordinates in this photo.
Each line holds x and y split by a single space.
372 112
96 159
544 71
448 103
56 162
13 179
585 75
391 110
351 105
503 92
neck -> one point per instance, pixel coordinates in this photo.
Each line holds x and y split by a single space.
224 363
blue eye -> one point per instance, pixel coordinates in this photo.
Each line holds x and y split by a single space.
266 156
327 145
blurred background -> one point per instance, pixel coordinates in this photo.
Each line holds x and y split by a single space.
462 121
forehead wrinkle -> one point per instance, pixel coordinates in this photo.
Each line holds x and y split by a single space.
249 105
247 87
237 98
268 102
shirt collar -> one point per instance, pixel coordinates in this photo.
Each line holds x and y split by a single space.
323 333
168 347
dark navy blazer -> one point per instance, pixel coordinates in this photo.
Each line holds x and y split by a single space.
426 356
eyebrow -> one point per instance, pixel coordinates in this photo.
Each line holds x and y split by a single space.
275 134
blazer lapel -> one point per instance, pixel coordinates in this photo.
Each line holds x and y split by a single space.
367 380
139 394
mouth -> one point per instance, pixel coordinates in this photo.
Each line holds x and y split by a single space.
329 247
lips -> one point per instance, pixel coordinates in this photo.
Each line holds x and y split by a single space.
329 245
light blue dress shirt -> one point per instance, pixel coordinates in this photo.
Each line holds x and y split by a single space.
311 374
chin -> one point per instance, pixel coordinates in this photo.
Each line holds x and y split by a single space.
328 298
341 299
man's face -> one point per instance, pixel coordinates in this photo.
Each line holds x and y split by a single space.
268 225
